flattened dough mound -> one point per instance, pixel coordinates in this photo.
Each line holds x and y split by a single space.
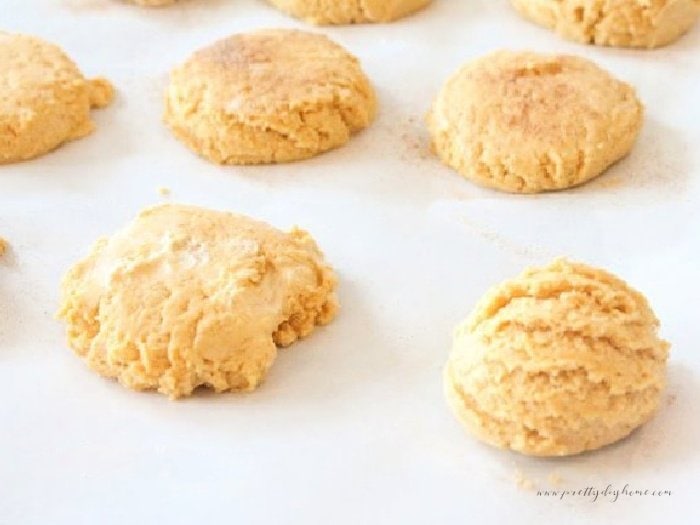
525 122
269 96
323 12
44 98
557 361
185 296
622 23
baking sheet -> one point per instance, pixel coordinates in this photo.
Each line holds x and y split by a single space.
351 426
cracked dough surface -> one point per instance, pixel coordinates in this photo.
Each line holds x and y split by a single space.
527 122
349 11
623 23
560 360
268 96
186 296
44 98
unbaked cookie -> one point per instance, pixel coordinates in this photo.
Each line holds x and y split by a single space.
527 122
268 96
185 296
557 361
44 98
349 11
625 23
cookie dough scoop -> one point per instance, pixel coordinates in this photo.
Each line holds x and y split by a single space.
186 297
326 12
560 360
525 122
45 100
270 96
621 23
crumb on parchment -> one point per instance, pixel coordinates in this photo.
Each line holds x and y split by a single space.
522 481
554 479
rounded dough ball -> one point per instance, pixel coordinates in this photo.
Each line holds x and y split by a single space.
44 98
185 296
527 122
557 361
269 96
349 11
623 23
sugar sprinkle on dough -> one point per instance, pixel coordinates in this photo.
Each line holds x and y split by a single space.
45 100
526 122
268 96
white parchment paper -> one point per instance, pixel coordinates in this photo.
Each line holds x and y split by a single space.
351 426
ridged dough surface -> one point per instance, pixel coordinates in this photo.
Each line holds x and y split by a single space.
560 360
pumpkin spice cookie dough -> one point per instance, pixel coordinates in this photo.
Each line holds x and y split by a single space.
268 96
526 122
186 297
557 361
44 98
349 11
622 23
